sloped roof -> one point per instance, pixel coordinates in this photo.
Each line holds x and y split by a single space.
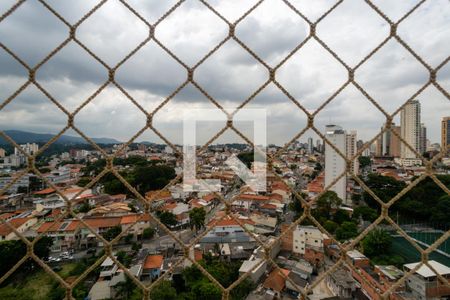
252 197
102 222
16 223
71 225
45 191
275 280
153 261
134 218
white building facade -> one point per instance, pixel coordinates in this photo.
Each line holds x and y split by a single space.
335 163
410 130
306 237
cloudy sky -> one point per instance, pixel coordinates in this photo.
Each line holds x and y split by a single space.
231 74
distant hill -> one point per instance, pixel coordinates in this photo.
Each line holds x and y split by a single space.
21 137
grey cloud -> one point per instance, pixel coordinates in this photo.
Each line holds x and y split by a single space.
231 74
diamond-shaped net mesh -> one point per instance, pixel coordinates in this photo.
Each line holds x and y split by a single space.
190 79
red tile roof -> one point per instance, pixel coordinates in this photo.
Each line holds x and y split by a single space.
209 197
251 197
277 197
169 206
153 262
128 219
45 191
102 222
5 216
268 206
198 255
279 185
229 221
56 226
275 280
158 195
16 223
317 185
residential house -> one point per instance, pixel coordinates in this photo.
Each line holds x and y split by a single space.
64 233
275 282
111 210
256 266
181 212
341 283
100 225
244 202
152 266
263 224
135 223
308 242
296 284
107 269
281 188
21 225
424 283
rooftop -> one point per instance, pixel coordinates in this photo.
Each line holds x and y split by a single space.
153 262
275 281
426 272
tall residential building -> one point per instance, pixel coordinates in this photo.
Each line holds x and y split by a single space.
378 146
310 145
410 129
383 144
423 139
2 153
319 146
445 133
395 142
351 140
334 163
28 148
386 143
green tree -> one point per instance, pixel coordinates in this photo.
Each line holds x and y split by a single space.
83 181
440 214
385 187
148 233
13 251
364 161
125 288
204 289
328 202
163 291
149 178
330 226
341 216
136 246
242 290
318 167
127 239
296 206
197 217
366 213
124 258
346 231
111 233
85 207
376 242
168 218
